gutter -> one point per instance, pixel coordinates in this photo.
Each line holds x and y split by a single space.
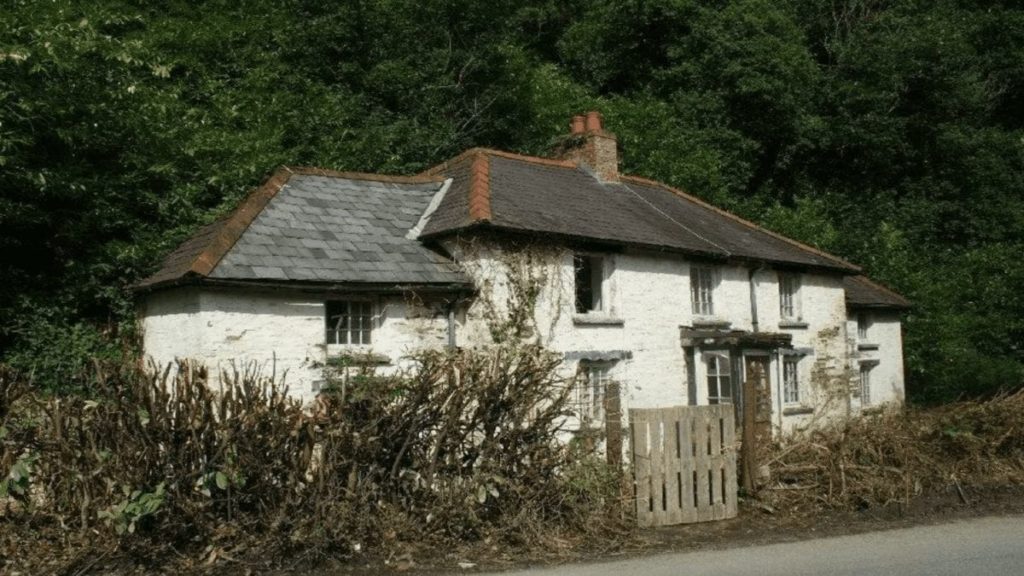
340 287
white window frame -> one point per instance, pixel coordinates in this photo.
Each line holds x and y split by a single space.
598 282
865 384
591 390
791 380
789 296
703 281
360 335
718 370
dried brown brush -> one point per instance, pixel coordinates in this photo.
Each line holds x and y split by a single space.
895 456
461 447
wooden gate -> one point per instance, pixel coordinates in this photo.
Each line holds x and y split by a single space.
684 464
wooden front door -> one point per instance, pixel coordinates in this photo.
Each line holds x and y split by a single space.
756 419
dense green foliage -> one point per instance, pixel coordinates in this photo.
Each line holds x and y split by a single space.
889 132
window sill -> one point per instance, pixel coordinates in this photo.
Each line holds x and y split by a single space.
793 325
867 346
711 322
797 410
596 320
357 358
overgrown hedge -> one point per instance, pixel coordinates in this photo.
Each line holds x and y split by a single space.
463 447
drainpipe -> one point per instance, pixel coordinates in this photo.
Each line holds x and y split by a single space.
779 358
753 297
451 323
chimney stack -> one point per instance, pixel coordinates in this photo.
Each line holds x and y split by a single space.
591 146
578 124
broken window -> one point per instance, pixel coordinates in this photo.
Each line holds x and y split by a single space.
702 287
719 378
349 321
865 384
591 390
789 293
589 278
790 380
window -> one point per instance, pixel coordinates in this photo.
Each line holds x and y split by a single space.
862 326
789 294
702 287
349 321
589 277
719 379
865 385
790 380
591 387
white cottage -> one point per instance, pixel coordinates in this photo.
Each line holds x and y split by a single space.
672 299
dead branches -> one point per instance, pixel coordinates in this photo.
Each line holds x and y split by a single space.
895 456
463 447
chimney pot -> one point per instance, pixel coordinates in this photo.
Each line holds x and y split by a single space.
577 124
592 147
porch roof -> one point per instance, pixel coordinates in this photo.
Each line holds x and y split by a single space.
704 337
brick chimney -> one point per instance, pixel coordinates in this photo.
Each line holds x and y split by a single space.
591 146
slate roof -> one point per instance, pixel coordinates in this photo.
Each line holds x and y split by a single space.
862 292
536 195
311 226
315 226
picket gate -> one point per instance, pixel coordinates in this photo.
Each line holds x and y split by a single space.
684 464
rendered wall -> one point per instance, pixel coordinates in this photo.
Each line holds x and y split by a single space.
882 350
647 301
650 295
282 333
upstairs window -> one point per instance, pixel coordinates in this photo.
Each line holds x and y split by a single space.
702 288
589 279
591 390
789 296
790 380
865 385
719 379
862 326
349 322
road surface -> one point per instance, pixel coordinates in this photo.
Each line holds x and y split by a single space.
985 546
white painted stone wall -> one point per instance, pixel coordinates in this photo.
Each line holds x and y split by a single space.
882 350
170 325
650 295
282 333
646 297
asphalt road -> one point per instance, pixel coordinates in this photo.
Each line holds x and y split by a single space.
984 546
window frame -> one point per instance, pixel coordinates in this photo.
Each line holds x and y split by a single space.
722 360
865 384
790 284
367 322
589 395
597 277
790 380
703 282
